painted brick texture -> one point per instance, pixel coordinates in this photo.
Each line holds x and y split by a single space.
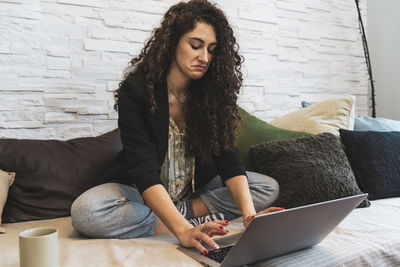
61 60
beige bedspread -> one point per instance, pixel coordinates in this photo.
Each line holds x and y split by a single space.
367 237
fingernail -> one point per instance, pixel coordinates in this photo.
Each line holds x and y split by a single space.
221 227
226 221
216 247
253 216
227 231
205 252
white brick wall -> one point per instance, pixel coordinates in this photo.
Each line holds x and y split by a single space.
60 60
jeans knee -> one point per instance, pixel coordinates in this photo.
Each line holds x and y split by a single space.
265 190
80 215
274 187
84 218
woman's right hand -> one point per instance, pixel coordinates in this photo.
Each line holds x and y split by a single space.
157 198
193 237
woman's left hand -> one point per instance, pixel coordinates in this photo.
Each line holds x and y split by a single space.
249 218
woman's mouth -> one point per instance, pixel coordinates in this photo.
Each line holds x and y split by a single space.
199 67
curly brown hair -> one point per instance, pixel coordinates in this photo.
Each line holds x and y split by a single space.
211 114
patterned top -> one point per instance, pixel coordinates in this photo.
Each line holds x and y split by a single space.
177 170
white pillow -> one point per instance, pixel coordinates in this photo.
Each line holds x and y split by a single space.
326 116
6 180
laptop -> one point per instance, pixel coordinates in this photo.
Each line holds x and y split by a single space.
278 233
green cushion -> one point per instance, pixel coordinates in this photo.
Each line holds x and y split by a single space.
255 131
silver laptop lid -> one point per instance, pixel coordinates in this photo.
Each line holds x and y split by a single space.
289 230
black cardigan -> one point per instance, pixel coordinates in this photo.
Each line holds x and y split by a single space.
144 140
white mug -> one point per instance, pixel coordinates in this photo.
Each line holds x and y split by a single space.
38 247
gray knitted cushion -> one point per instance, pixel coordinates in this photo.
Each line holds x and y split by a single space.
309 169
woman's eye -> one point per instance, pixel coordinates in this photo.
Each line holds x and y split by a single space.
211 51
195 47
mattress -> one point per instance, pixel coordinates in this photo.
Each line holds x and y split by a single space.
367 237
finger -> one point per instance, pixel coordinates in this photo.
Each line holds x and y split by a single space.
222 222
213 226
206 239
248 219
275 208
217 232
271 209
200 247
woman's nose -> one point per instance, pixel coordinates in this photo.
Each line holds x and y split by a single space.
203 56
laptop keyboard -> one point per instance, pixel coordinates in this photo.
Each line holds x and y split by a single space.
219 254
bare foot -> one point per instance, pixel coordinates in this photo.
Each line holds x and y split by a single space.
199 208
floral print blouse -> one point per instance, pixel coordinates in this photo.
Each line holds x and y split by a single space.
177 170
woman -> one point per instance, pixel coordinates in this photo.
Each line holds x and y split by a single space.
177 110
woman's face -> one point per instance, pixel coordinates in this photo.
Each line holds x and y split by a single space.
195 50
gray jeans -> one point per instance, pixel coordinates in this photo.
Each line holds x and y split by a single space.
118 211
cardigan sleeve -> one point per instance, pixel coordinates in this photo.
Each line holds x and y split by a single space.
138 142
229 164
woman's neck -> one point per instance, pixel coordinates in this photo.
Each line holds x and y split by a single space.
176 81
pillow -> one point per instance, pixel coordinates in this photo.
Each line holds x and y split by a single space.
367 123
308 169
375 160
6 180
254 131
52 173
326 116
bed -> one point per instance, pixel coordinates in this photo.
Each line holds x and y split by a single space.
367 237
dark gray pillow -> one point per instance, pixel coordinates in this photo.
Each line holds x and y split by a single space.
309 169
375 160
50 174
